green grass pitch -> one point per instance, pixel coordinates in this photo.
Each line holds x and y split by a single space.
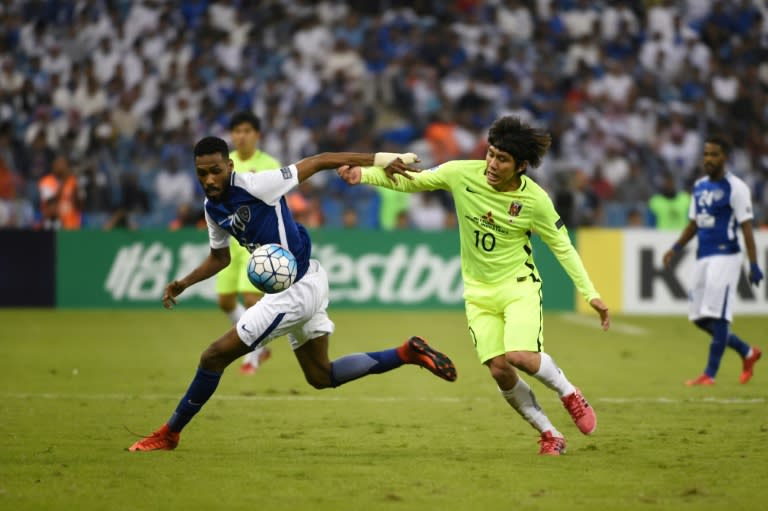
75 382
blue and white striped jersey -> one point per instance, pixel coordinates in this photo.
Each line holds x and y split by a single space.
255 213
718 208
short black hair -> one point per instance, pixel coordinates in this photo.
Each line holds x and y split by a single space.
720 140
245 116
520 140
212 145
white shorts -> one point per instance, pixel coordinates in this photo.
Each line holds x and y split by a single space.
299 312
714 287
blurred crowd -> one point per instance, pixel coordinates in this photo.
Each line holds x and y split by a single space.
101 101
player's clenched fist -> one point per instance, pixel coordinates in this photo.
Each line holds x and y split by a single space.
351 175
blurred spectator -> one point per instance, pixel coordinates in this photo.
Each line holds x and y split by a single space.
54 61
401 222
669 207
615 166
60 200
173 186
350 218
392 205
125 122
515 20
95 187
105 60
442 135
635 218
9 188
600 185
187 216
576 202
90 97
680 147
636 188
426 212
12 151
11 79
134 202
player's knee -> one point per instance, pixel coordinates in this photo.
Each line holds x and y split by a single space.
523 360
501 370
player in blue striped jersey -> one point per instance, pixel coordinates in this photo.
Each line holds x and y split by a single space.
720 204
251 208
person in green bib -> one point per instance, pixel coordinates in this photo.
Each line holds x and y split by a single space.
232 282
669 207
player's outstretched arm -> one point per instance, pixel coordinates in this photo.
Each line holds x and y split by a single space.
393 163
217 260
602 310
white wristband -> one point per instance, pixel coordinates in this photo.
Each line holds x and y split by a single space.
384 159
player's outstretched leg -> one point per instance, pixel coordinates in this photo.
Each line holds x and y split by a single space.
322 373
212 364
416 351
167 437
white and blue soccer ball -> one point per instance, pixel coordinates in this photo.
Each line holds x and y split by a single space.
272 268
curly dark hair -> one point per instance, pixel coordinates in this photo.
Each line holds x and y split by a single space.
720 140
520 140
212 145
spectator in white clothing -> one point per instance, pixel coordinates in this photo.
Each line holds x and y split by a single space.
173 187
105 60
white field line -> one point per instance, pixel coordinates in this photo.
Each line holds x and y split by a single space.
594 322
371 399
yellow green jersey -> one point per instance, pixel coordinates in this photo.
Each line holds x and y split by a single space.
495 227
259 160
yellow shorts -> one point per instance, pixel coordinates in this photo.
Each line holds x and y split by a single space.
506 317
234 278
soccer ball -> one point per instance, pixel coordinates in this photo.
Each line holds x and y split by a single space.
272 268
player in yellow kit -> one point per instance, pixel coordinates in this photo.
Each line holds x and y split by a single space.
498 208
245 131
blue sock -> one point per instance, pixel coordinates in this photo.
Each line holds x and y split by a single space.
201 388
357 365
716 349
739 345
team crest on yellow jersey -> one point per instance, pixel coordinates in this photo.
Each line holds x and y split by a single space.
514 210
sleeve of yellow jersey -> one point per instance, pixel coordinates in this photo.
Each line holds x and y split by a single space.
437 178
550 227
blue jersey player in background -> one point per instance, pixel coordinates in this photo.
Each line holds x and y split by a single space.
720 204
250 207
